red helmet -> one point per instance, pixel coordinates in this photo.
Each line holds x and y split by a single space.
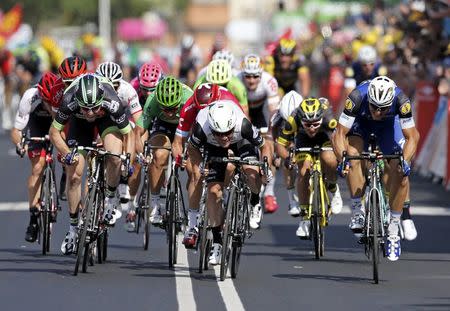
149 75
47 80
57 92
72 67
205 94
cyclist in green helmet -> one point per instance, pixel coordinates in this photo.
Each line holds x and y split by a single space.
160 117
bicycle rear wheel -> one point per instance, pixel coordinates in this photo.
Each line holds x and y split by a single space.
315 218
227 233
45 210
374 239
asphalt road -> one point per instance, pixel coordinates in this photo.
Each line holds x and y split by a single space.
277 270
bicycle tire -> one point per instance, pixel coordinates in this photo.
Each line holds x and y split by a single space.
241 221
86 223
315 219
374 235
99 245
203 234
45 206
226 237
105 245
171 220
86 257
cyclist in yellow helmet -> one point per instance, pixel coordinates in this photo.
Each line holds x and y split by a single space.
289 70
310 125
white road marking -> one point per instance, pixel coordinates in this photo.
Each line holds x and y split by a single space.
183 280
416 210
13 206
229 293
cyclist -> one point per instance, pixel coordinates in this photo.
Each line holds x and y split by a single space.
222 54
130 102
377 106
219 72
288 69
35 116
147 80
366 67
188 62
204 95
91 103
160 117
288 103
69 69
263 100
220 128
309 125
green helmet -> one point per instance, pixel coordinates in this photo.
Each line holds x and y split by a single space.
169 92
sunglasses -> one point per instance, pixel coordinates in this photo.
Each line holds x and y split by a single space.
93 110
169 110
379 109
312 125
368 64
147 89
225 134
250 76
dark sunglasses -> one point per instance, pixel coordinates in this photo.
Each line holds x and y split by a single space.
93 110
379 109
312 124
249 76
169 109
218 134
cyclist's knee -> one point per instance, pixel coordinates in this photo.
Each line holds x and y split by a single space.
304 168
215 192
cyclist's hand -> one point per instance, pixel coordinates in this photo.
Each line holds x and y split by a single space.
180 161
343 168
70 158
142 160
288 163
406 168
20 150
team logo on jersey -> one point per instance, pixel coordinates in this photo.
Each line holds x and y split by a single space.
405 108
349 104
113 106
332 124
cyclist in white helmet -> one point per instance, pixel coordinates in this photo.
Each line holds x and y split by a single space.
130 101
378 106
288 104
263 99
221 54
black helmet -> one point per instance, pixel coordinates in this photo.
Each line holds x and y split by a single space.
90 92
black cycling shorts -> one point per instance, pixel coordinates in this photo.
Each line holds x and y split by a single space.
160 127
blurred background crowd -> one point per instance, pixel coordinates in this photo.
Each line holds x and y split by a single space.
410 37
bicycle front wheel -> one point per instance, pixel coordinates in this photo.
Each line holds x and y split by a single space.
316 229
374 239
171 221
203 243
86 219
46 200
241 221
227 238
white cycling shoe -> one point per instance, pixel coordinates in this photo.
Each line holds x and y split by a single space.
215 255
155 215
111 213
336 201
303 229
409 229
255 216
69 242
294 210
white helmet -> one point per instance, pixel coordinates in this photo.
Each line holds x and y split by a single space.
252 64
381 91
187 41
224 54
219 72
367 54
110 70
221 116
288 103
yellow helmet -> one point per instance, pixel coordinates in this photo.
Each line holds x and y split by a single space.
219 72
287 46
311 109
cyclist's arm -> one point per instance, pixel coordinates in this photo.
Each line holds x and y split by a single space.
177 146
62 117
139 132
22 115
237 88
286 137
408 126
305 79
251 133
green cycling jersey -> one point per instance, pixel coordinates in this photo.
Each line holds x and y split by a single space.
235 86
152 110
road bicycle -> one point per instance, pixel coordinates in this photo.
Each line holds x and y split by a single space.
48 199
319 201
204 242
92 232
376 208
237 213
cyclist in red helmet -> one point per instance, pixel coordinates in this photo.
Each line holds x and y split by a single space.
35 116
204 95
71 68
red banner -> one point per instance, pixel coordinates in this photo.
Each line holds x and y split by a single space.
11 21
426 106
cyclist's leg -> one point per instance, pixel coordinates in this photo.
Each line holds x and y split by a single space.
304 166
329 165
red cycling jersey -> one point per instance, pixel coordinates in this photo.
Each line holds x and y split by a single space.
190 110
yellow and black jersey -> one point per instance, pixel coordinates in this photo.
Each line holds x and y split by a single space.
294 128
286 78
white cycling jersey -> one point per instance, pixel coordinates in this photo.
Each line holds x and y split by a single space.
267 91
29 103
129 97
